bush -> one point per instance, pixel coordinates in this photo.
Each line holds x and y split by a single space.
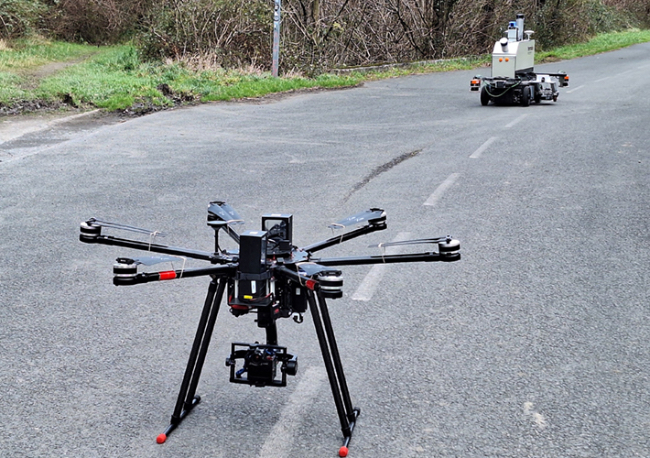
96 21
235 31
316 34
20 17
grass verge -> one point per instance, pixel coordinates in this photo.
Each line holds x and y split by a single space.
114 78
29 53
599 44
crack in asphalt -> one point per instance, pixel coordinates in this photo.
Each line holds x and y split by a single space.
379 170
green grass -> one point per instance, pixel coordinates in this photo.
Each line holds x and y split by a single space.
599 44
9 86
114 78
111 80
26 54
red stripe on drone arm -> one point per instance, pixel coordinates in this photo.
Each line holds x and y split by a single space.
168 275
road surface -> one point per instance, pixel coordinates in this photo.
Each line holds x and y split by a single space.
535 344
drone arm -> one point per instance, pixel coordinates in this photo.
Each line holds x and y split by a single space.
329 281
156 248
283 271
344 237
387 259
126 273
91 233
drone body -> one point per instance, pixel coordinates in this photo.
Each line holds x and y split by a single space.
272 278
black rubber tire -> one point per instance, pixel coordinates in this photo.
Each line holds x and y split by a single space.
537 91
485 97
525 96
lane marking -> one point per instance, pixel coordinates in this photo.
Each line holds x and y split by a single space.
278 443
440 190
516 120
643 66
476 154
575 89
371 281
602 79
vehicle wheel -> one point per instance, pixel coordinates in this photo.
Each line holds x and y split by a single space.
485 97
537 90
525 96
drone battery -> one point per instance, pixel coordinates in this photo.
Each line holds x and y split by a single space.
251 290
252 254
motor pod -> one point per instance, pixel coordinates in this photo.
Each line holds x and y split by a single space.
125 272
89 231
330 283
449 249
379 218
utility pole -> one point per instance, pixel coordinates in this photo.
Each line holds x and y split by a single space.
276 38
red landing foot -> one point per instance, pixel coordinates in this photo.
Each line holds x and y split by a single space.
343 451
161 438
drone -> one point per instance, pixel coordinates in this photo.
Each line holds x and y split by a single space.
270 277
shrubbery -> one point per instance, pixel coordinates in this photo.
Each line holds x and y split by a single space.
97 21
316 34
321 34
235 30
20 17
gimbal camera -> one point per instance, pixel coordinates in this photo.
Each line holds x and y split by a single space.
270 277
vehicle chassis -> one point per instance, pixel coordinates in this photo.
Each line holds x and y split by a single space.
524 88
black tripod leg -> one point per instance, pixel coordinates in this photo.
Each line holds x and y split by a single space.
347 414
186 397
327 322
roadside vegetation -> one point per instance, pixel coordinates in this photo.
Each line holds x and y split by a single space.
116 78
143 55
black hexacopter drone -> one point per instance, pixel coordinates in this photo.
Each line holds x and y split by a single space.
272 278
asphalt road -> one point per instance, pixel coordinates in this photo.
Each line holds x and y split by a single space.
535 344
